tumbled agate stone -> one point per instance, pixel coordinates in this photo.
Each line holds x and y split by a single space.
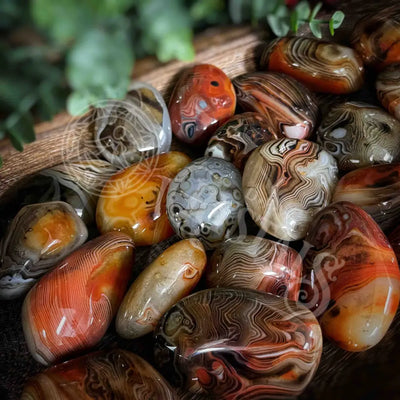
70 308
290 108
237 138
165 281
203 99
77 183
112 374
388 89
394 240
133 200
205 201
351 277
285 183
253 262
238 344
376 190
321 66
376 37
130 130
37 239
359 135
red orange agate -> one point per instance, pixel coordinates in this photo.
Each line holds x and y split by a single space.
202 100
351 277
71 308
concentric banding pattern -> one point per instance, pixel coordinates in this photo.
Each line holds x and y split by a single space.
388 89
253 262
105 375
351 277
238 344
237 138
290 108
70 308
39 237
376 190
130 130
285 183
205 201
321 66
376 37
359 135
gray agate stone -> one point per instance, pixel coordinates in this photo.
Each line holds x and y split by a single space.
205 201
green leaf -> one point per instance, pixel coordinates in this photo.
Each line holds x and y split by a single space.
78 103
315 27
336 20
261 8
167 33
206 10
20 129
294 21
63 20
303 10
100 59
279 26
235 11
179 45
1 162
315 11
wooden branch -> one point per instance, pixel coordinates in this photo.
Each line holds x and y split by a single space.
66 137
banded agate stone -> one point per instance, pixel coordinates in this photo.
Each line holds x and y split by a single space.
238 137
285 183
290 108
70 308
130 130
321 66
388 89
133 201
170 277
351 277
203 99
376 37
112 374
38 238
376 190
359 135
205 201
253 262
238 344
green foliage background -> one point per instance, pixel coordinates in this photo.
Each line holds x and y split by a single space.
74 52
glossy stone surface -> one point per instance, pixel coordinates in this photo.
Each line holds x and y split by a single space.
112 374
291 109
359 135
38 238
285 183
70 308
394 240
130 130
376 190
321 66
388 89
252 262
376 37
77 183
166 280
238 344
133 200
351 277
203 99
205 201
238 137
